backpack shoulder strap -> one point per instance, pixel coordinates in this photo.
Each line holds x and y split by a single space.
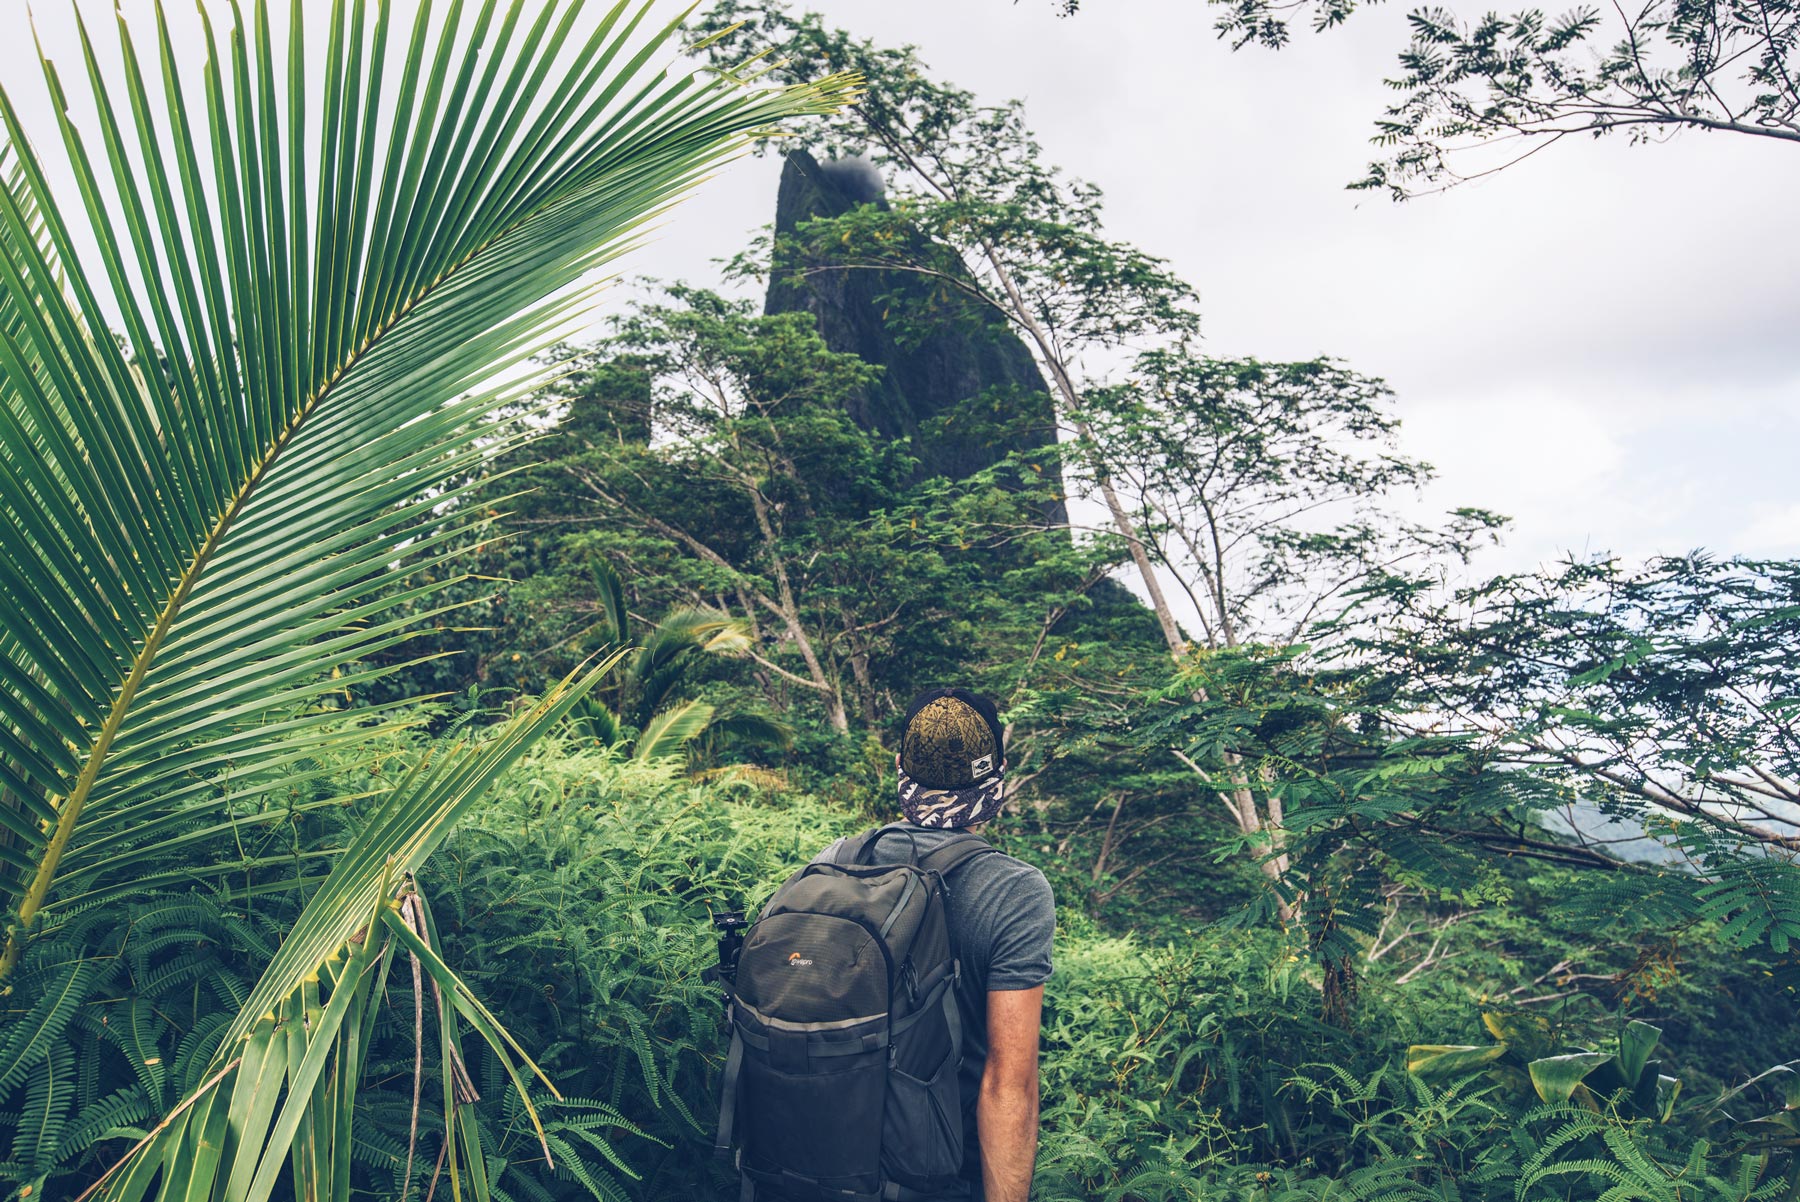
953 853
943 859
860 849
850 850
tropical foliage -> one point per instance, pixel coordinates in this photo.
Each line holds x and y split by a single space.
1483 91
322 297
381 667
642 707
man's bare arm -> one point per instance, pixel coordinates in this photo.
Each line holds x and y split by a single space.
1006 1114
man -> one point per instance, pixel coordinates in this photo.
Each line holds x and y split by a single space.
1001 914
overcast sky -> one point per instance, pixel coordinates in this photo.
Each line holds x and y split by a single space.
1603 343
1600 343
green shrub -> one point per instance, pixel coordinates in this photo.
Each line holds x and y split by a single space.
579 903
577 900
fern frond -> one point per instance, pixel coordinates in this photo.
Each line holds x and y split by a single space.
59 990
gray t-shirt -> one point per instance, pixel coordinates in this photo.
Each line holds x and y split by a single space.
1002 916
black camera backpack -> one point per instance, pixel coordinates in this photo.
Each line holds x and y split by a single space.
846 1040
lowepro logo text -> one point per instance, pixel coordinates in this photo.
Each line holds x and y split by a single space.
796 960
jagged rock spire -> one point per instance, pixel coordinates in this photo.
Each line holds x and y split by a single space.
929 372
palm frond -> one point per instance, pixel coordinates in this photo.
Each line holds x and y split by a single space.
327 280
753 727
284 1074
323 297
611 588
665 658
667 733
594 719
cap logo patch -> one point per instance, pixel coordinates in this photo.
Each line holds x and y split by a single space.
981 766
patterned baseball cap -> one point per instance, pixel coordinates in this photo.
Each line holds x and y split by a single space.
952 759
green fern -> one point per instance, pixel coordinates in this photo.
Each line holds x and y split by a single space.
122 1115
57 990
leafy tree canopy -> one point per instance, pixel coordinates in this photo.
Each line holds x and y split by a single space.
1480 92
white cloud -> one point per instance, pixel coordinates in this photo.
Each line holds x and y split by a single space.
1774 531
1543 461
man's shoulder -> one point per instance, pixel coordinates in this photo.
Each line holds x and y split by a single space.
1016 876
1010 915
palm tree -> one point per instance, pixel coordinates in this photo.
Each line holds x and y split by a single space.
641 706
324 277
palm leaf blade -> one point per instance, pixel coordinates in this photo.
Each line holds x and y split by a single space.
202 464
669 731
200 520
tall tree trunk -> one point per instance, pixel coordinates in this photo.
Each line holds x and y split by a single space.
1072 410
789 612
1241 800
859 666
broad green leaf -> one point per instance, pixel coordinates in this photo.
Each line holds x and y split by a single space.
1667 1090
1557 1077
1636 1042
1429 1059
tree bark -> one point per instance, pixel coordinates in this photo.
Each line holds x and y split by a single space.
789 612
783 607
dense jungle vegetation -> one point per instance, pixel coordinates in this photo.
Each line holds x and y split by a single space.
377 740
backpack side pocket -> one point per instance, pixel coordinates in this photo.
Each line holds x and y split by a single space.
923 1126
